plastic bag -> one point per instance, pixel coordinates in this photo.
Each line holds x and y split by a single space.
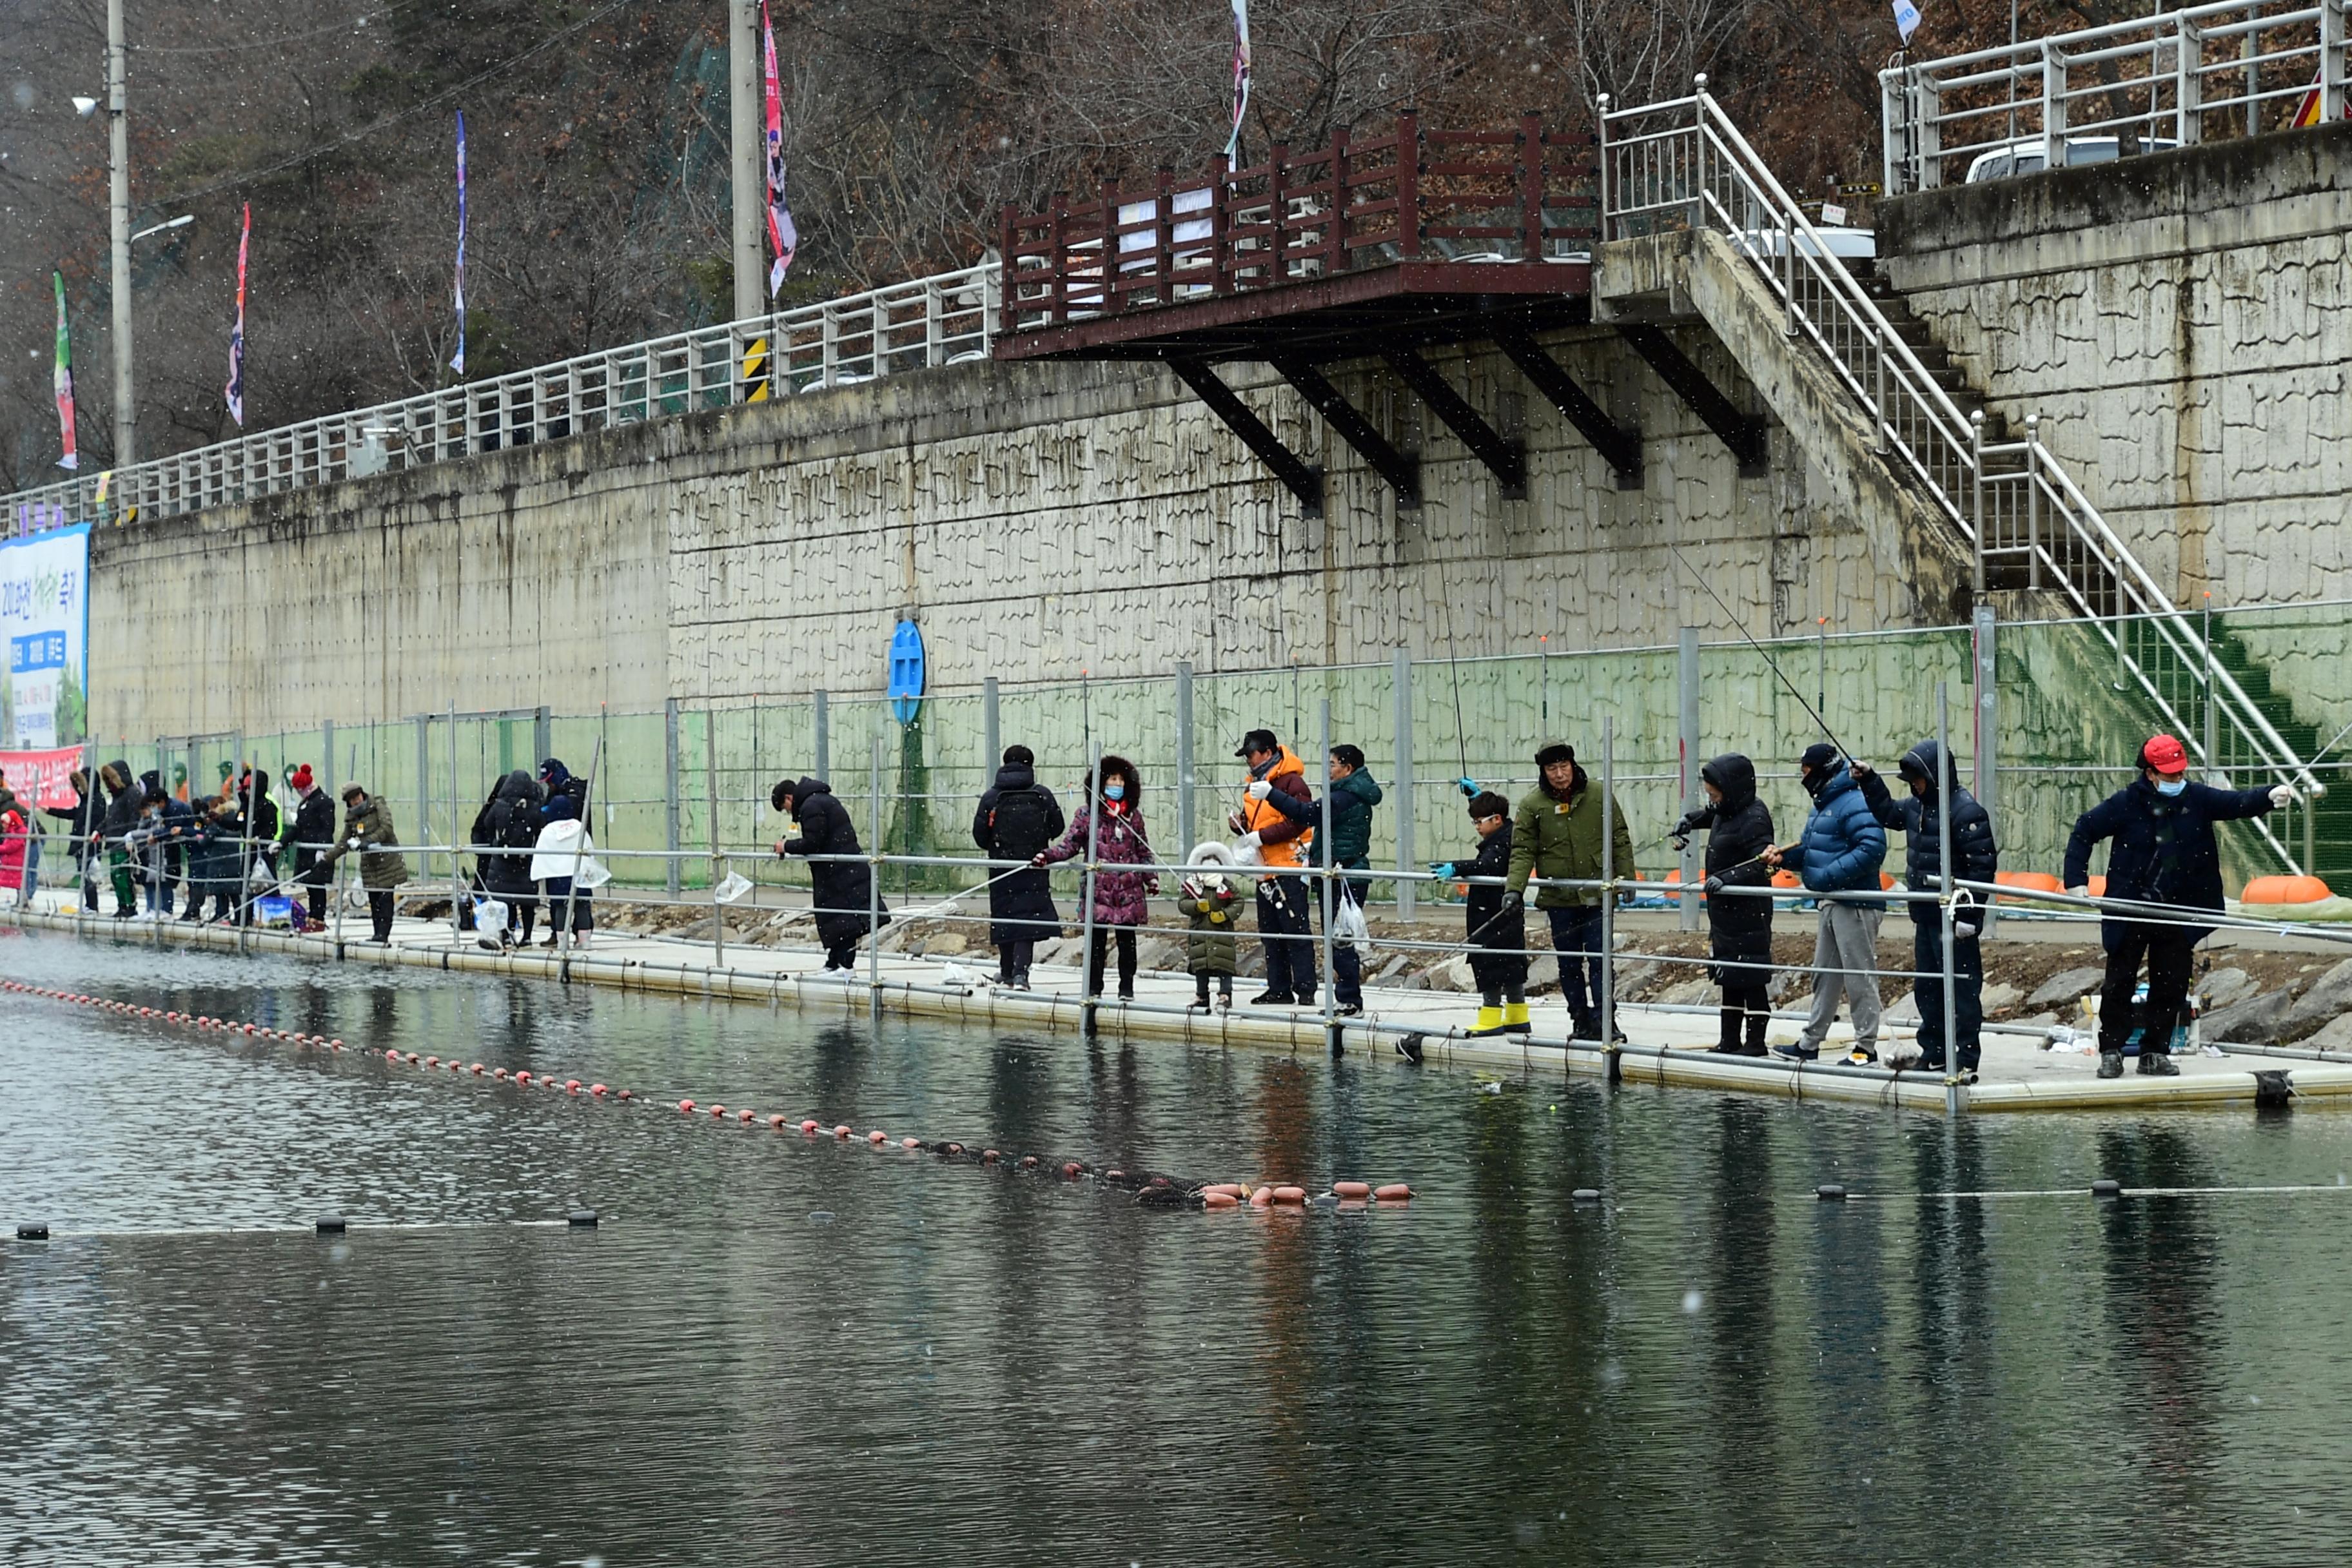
1348 927
733 886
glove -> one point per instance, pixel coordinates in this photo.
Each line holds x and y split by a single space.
1467 785
1252 840
2282 796
1441 870
350 843
2081 892
1512 899
1965 922
1712 886
1038 859
1259 789
1689 824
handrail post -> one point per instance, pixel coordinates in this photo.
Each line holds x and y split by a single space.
1608 1009
710 783
873 885
2034 500
1113 275
1089 981
1005 291
1163 237
1698 218
1976 504
1600 140
1221 191
1878 353
1531 187
2054 106
1277 211
1336 227
2331 61
1408 176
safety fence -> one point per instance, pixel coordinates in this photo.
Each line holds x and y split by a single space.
945 319
1685 165
2050 724
2173 79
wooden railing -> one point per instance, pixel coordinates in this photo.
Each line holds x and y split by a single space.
1512 193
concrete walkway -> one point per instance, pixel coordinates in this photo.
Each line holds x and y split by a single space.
1666 1047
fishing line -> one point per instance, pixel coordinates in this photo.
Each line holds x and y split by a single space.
1775 664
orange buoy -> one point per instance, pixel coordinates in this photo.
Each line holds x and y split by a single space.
1071 1170
1028 1162
392 1056
842 1131
955 1149
2285 890
596 1088
624 1094
777 1121
475 1069
1230 1189
1262 1198
747 1116
910 1143
1352 1189
718 1111
571 1086
878 1136
1219 1199
1394 1193
1290 1195
685 1107
412 1057
989 1156
808 1124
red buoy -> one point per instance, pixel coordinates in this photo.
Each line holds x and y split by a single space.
878 1136
1218 1199
1352 1189
596 1088
686 1106
841 1131
808 1124
1394 1193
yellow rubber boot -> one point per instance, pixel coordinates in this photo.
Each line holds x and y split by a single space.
1490 1021
1515 1018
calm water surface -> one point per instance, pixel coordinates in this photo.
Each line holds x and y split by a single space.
783 1350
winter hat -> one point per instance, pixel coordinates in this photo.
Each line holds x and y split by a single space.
1019 757
1555 752
1257 740
1215 852
2164 754
1818 757
352 788
300 778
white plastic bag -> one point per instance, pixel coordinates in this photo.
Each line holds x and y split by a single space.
731 888
565 850
1348 927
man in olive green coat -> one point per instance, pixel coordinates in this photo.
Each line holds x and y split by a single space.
1556 833
367 828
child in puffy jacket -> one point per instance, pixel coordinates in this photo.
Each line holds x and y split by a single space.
1208 899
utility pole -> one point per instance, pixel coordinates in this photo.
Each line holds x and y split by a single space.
746 79
118 120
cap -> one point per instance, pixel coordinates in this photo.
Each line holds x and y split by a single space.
2164 754
352 788
1257 740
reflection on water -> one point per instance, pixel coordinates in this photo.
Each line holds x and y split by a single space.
1710 1367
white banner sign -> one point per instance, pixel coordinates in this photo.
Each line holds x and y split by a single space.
45 628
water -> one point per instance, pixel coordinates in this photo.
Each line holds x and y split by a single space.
1711 1367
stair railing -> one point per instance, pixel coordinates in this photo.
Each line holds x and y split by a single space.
1682 163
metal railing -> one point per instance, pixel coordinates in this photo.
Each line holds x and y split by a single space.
1683 164
2202 73
941 320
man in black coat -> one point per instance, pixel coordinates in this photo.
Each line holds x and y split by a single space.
1018 819
842 890
1739 926
313 834
509 822
81 819
126 800
1933 779
2164 853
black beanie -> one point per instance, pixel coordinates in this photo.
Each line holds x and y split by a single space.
1818 756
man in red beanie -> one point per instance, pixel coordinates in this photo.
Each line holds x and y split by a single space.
2164 853
311 834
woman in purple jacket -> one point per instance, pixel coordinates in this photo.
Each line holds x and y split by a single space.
1119 896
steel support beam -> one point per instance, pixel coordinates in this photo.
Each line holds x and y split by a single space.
1402 473
1619 447
1507 460
1305 481
1744 436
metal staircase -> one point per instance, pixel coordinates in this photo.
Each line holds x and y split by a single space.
1682 164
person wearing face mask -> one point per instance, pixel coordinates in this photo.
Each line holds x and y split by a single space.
1119 896
1841 851
2164 853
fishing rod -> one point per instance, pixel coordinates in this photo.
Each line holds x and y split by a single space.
1813 712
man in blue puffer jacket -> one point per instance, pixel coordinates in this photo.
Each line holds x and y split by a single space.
1841 851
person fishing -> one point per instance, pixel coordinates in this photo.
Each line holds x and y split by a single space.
1496 931
2164 853
1556 836
1110 823
841 890
1018 818
1933 785
1738 829
1841 851
1277 841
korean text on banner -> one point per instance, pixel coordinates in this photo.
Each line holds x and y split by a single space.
45 778
44 626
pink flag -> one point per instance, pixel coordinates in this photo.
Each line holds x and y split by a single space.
61 378
235 388
782 237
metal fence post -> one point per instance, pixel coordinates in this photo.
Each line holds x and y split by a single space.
1400 680
825 738
457 876
542 736
991 737
1977 525
1184 767
1985 744
327 768
718 912
873 881
669 792
1944 911
423 812
1608 898
1694 794
1334 893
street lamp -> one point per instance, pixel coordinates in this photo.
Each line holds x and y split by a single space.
181 222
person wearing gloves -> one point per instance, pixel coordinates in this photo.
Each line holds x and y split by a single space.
368 833
1278 841
1556 833
504 831
1841 851
1495 925
310 834
81 819
1210 902
1017 817
255 826
1738 828
1932 779
2164 853
125 801
841 892
1352 794
1118 838
566 800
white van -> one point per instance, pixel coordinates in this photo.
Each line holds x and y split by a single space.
2030 157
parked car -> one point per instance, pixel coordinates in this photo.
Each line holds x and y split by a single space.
2032 157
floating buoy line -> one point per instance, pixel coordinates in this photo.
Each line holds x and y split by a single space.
1151 1188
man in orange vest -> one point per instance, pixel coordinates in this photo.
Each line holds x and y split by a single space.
1282 904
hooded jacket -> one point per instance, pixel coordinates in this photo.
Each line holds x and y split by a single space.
1842 847
1975 857
841 890
313 831
1498 941
16 834
1352 799
121 807
508 822
1120 897
1281 839
1739 831
2164 849
1211 903
1018 818
1558 835
381 866
83 817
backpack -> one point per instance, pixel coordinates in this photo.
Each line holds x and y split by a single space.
1018 824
